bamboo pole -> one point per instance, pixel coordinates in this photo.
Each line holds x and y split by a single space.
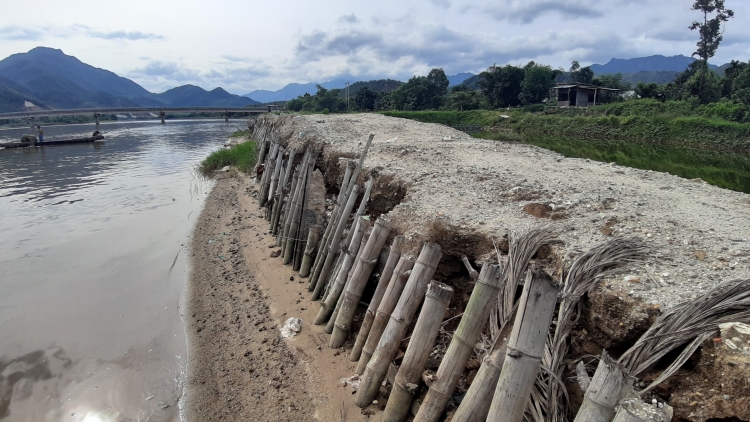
525 348
276 172
390 264
320 256
332 319
362 205
609 384
476 403
392 294
360 276
329 303
304 228
335 242
394 332
313 238
295 212
423 338
283 223
268 174
475 317
291 204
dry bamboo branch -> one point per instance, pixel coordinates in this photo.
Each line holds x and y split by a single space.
360 276
425 331
394 332
393 258
392 294
472 272
609 385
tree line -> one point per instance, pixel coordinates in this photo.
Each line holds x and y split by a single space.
513 86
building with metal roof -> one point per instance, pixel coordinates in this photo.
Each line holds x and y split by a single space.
579 94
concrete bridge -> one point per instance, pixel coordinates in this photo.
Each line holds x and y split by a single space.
161 111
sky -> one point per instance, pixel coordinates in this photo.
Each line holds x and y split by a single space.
247 44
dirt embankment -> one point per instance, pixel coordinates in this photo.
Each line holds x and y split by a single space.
437 184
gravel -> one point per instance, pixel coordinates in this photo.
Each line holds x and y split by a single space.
698 233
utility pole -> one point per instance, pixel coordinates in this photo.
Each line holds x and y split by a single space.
347 96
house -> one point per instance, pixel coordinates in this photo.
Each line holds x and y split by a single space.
579 95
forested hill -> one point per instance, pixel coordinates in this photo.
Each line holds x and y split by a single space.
49 78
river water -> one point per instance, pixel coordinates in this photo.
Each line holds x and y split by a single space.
93 263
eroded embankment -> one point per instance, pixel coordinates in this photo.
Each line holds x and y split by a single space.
438 185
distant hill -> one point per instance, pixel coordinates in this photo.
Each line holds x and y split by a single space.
656 63
50 78
293 90
195 96
458 78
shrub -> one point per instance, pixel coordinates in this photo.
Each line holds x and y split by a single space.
242 156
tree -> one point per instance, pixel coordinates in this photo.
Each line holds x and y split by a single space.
580 74
735 69
711 35
741 85
366 99
421 92
537 82
463 100
502 85
651 90
437 77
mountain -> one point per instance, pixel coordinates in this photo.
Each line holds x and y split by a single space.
195 96
458 78
49 78
656 63
293 90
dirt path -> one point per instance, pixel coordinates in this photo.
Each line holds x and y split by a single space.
240 368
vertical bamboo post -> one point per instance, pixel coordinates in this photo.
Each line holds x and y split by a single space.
327 235
525 348
276 173
329 303
268 174
283 224
390 298
362 205
423 338
304 228
334 315
475 316
476 403
294 196
313 238
295 212
393 257
360 276
335 242
394 332
609 384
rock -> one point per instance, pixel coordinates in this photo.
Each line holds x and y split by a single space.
275 254
291 327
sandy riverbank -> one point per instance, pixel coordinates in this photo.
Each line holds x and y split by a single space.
240 368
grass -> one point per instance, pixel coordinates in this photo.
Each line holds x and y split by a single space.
242 156
691 142
239 133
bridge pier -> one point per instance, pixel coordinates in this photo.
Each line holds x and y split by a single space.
162 114
226 117
96 116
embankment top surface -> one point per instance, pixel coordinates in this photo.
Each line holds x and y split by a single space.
698 233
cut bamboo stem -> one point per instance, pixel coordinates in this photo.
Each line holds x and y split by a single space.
422 340
472 272
311 247
475 317
394 332
608 386
525 348
284 222
268 174
360 275
385 276
329 303
304 228
335 243
390 299
362 205
276 172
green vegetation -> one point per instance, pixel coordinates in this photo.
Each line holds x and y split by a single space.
691 141
242 156
240 133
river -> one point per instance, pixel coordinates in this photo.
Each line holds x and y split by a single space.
93 264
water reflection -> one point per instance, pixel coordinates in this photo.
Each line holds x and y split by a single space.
90 311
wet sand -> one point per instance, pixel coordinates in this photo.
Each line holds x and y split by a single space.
239 366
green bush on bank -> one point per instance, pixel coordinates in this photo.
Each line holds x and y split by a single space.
242 156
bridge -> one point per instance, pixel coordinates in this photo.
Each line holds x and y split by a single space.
161 111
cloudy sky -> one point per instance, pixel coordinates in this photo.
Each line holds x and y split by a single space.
247 44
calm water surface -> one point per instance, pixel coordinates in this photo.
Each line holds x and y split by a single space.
93 262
